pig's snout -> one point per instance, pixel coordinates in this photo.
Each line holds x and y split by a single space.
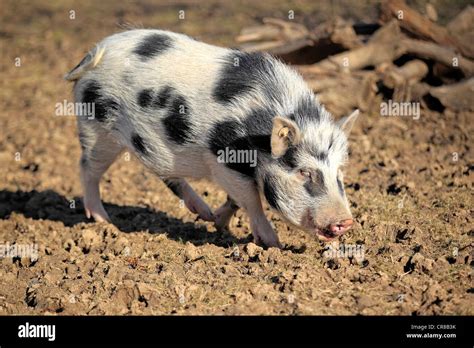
341 227
334 229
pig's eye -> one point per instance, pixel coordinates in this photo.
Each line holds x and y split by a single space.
305 174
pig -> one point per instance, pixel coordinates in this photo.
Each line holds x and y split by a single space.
179 105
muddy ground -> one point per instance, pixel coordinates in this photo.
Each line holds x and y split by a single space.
409 183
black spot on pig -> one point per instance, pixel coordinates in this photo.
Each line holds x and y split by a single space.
177 122
231 135
307 110
241 73
322 156
289 160
103 106
258 127
163 97
91 92
223 134
153 45
315 187
145 97
251 136
139 144
269 192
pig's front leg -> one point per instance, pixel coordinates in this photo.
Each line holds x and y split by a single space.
262 231
244 192
191 199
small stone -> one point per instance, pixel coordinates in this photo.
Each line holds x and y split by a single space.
253 250
424 264
90 238
191 253
365 301
272 255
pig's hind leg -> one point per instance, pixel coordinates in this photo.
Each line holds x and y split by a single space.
224 213
99 150
191 199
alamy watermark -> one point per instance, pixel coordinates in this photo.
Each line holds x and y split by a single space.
19 250
401 109
336 250
237 156
75 109
28 330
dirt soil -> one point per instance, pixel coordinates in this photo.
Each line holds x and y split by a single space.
409 182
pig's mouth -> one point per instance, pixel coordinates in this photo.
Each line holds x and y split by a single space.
325 234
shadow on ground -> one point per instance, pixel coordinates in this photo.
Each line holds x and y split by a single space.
49 205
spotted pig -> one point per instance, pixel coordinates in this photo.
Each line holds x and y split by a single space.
192 110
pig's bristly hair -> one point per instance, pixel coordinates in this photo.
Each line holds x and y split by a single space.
175 102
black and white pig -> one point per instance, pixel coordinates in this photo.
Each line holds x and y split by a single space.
179 104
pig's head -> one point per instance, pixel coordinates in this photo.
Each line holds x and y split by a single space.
303 181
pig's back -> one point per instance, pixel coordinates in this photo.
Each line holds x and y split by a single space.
182 96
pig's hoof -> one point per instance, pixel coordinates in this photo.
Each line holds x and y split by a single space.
269 243
221 228
221 222
201 209
99 215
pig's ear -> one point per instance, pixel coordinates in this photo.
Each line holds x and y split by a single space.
284 134
347 122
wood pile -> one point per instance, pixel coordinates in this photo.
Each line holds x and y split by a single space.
404 57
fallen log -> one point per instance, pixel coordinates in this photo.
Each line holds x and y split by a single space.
275 36
445 55
341 92
401 79
419 90
339 32
383 46
273 29
462 23
462 26
457 97
422 27
408 74
277 47
294 43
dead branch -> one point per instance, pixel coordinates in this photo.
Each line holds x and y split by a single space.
342 92
339 32
275 36
456 96
383 46
445 55
409 74
463 22
422 27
